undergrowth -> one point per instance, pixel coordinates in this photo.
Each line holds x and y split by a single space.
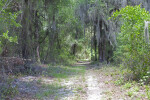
7 89
123 77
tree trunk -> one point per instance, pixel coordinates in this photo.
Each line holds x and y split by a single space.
24 34
104 49
37 37
91 43
95 43
100 44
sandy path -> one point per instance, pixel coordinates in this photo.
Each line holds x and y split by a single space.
86 87
94 91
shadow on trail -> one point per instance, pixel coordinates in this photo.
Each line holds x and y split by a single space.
90 65
55 71
41 82
33 88
65 72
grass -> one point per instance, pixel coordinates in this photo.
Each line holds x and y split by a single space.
106 82
60 73
65 71
79 88
83 78
136 89
49 90
129 88
127 85
39 81
108 93
53 89
78 97
130 93
119 82
7 89
148 92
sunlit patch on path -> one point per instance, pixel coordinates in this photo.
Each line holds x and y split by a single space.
94 92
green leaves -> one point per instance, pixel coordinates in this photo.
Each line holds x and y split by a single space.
9 38
7 20
13 39
134 13
131 39
5 35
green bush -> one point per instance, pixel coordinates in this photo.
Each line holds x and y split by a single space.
8 21
132 49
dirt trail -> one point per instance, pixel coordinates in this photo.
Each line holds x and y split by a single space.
87 86
82 81
94 91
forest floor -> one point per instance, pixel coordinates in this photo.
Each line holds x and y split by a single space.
82 81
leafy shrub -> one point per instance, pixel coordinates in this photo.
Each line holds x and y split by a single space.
7 20
145 79
132 48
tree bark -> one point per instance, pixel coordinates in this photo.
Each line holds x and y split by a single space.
24 34
100 44
91 43
95 43
37 36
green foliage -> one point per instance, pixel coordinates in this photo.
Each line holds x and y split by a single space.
7 20
65 71
130 93
136 89
9 38
51 89
127 86
145 79
62 39
8 90
132 48
148 92
119 81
